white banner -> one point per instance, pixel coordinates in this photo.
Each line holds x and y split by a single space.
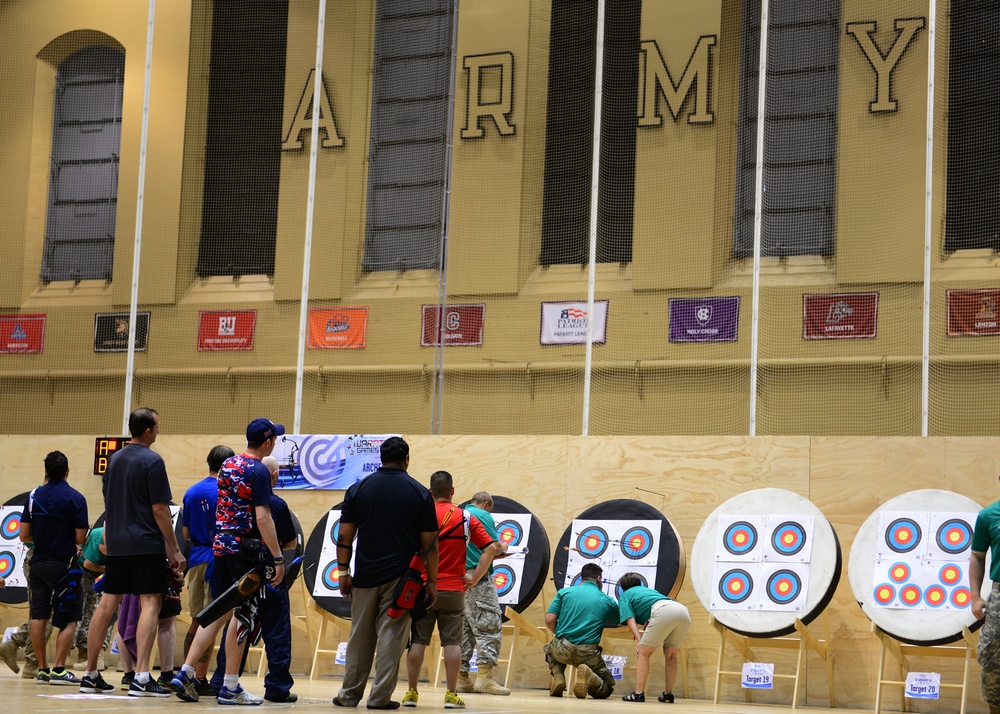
565 323
327 461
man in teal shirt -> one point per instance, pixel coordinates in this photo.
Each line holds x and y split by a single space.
577 618
987 537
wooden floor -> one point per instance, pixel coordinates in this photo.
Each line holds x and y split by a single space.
22 696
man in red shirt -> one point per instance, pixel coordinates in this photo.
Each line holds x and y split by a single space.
456 528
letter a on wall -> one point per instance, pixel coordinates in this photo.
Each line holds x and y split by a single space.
302 120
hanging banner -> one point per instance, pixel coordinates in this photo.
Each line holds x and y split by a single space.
22 334
327 461
565 323
337 328
973 312
111 331
839 316
713 319
462 325
226 330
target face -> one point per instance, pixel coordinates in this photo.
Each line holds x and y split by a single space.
592 542
504 579
335 531
619 589
330 578
899 572
950 574
961 597
954 536
885 593
788 538
510 533
903 535
935 596
637 542
740 538
10 526
7 563
784 586
735 586
910 595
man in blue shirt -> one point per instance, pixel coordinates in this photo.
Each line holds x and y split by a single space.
577 618
55 518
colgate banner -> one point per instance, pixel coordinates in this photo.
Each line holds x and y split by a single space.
973 312
839 316
462 325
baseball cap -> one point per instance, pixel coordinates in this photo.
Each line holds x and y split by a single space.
260 430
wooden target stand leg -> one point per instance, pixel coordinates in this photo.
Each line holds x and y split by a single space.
901 653
805 640
329 625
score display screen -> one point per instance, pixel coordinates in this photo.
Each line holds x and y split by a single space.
104 446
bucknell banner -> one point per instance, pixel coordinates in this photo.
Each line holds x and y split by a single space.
973 312
22 334
839 316
565 323
461 325
337 328
226 330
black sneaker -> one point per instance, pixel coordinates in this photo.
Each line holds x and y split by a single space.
164 679
97 685
149 689
64 677
42 677
127 680
204 688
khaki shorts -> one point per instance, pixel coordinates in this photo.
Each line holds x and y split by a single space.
668 624
449 614
199 591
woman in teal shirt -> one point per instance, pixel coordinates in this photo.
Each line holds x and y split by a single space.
666 623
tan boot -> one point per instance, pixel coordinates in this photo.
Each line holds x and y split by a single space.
465 685
558 685
585 679
8 653
485 684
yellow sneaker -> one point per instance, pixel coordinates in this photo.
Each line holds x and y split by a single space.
410 698
452 701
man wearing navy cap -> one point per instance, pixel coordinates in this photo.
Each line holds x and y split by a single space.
244 534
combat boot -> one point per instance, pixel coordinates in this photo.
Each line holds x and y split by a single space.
465 685
558 685
485 684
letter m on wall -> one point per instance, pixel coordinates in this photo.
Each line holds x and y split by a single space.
655 80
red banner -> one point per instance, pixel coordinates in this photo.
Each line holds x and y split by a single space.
337 328
839 316
973 312
463 325
226 330
22 334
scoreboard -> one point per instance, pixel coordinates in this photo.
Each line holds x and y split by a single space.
104 446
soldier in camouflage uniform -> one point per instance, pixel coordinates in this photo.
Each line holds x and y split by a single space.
987 536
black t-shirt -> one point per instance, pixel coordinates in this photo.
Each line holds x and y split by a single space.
391 510
135 480
55 510
284 527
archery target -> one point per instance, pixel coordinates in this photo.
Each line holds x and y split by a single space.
783 587
789 539
923 538
12 552
10 526
643 582
319 565
739 538
636 543
331 581
591 542
335 530
504 579
736 586
7 563
510 532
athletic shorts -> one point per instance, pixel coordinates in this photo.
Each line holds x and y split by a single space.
228 569
136 574
449 614
668 624
199 590
43 595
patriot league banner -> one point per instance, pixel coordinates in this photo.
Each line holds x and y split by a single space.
973 312
713 319
565 323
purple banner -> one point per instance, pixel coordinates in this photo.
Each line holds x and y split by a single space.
711 319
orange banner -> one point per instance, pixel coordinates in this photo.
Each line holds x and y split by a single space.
338 328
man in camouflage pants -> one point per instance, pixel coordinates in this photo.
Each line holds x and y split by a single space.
22 638
987 536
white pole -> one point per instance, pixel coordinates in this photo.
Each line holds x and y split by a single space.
758 215
595 179
928 205
140 199
310 215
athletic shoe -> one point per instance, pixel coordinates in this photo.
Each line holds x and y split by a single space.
452 701
97 685
410 698
64 677
238 696
8 653
204 688
165 679
42 677
184 687
127 680
149 689
289 698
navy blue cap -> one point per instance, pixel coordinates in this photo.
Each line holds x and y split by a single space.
260 430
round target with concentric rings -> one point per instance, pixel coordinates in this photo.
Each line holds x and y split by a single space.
885 593
961 597
935 596
950 574
335 530
10 526
784 586
637 542
899 572
910 595
510 533
740 538
954 536
331 580
735 586
619 589
592 542
788 538
504 579
903 535
7 563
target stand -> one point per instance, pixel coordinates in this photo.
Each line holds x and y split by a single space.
746 646
901 652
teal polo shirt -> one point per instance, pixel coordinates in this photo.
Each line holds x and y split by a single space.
987 537
472 553
583 611
638 602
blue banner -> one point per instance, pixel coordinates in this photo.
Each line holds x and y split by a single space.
327 461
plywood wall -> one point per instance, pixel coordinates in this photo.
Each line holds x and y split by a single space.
686 478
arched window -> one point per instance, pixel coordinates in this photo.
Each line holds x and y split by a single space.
83 183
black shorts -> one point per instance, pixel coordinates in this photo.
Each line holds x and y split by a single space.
228 569
136 574
43 594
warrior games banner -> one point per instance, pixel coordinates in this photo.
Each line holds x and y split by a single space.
327 461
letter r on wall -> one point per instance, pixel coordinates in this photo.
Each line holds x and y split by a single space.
498 105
